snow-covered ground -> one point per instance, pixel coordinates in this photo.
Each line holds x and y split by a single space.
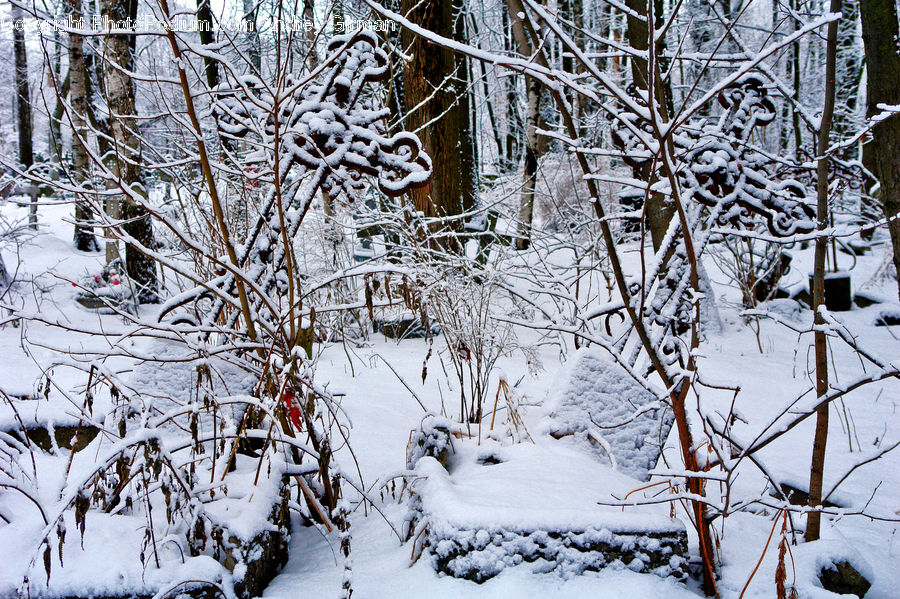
383 412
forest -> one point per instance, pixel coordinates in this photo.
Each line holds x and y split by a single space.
449 298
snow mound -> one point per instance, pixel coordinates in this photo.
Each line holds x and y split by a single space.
810 559
483 516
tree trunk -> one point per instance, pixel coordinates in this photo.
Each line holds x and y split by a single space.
118 50
849 77
658 213
436 113
23 105
880 34
533 121
207 38
512 147
312 56
23 93
396 97
795 71
54 147
253 34
468 155
84 230
817 467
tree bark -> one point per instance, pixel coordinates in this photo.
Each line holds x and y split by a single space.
84 230
54 147
880 34
23 93
207 38
436 113
120 93
512 147
817 467
23 106
312 56
534 147
658 213
253 34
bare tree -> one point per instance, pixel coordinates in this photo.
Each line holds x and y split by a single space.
23 102
250 11
207 38
534 145
817 467
126 162
659 213
78 78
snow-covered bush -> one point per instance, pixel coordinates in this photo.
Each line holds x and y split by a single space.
210 411
466 308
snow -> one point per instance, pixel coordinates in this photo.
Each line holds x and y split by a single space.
475 495
530 490
811 558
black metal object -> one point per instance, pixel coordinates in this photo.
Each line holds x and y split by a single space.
838 293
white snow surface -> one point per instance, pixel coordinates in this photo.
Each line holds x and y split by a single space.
531 489
383 413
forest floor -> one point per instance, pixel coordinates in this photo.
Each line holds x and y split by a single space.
771 369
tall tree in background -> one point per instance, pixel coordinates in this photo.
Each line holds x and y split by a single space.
793 71
468 151
658 214
207 38
54 147
432 85
512 147
880 34
23 93
78 82
849 78
137 224
572 11
535 146
23 101
250 12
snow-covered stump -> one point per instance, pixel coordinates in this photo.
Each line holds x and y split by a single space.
252 548
477 509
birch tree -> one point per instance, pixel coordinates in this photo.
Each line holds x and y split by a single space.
84 231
